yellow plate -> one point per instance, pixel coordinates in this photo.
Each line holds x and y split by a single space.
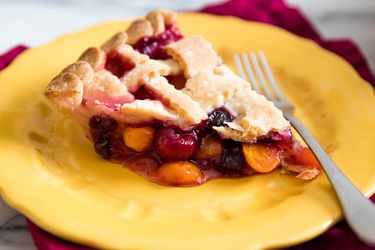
49 172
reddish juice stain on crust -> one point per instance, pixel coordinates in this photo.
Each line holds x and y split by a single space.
118 64
142 94
295 153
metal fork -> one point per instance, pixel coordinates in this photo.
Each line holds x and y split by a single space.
359 211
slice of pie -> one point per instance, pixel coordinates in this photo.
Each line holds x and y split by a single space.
168 108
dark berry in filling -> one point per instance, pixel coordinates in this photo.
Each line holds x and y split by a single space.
172 144
102 124
153 46
218 117
118 64
102 145
101 127
232 159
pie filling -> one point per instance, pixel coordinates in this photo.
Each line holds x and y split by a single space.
166 107
171 156
153 45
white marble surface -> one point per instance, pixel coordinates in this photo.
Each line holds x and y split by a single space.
33 22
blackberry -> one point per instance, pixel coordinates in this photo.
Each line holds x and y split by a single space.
102 124
103 147
101 128
218 117
232 159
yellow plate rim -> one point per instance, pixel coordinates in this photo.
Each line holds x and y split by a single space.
65 233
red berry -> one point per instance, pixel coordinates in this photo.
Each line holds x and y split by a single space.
153 46
172 144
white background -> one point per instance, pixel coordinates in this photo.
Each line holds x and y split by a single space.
33 22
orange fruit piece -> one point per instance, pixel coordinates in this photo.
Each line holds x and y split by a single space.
140 139
180 173
210 147
260 157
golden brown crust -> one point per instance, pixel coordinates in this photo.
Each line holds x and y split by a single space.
134 56
139 29
174 67
159 19
156 19
212 90
82 69
148 69
104 82
153 24
210 84
219 87
194 54
141 111
95 57
144 71
226 132
169 16
177 100
303 172
66 90
115 42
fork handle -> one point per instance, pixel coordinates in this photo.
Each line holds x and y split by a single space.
359 211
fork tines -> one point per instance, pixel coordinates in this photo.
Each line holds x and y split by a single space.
255 68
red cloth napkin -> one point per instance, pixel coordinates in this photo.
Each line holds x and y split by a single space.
274 12
277 13
8 57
